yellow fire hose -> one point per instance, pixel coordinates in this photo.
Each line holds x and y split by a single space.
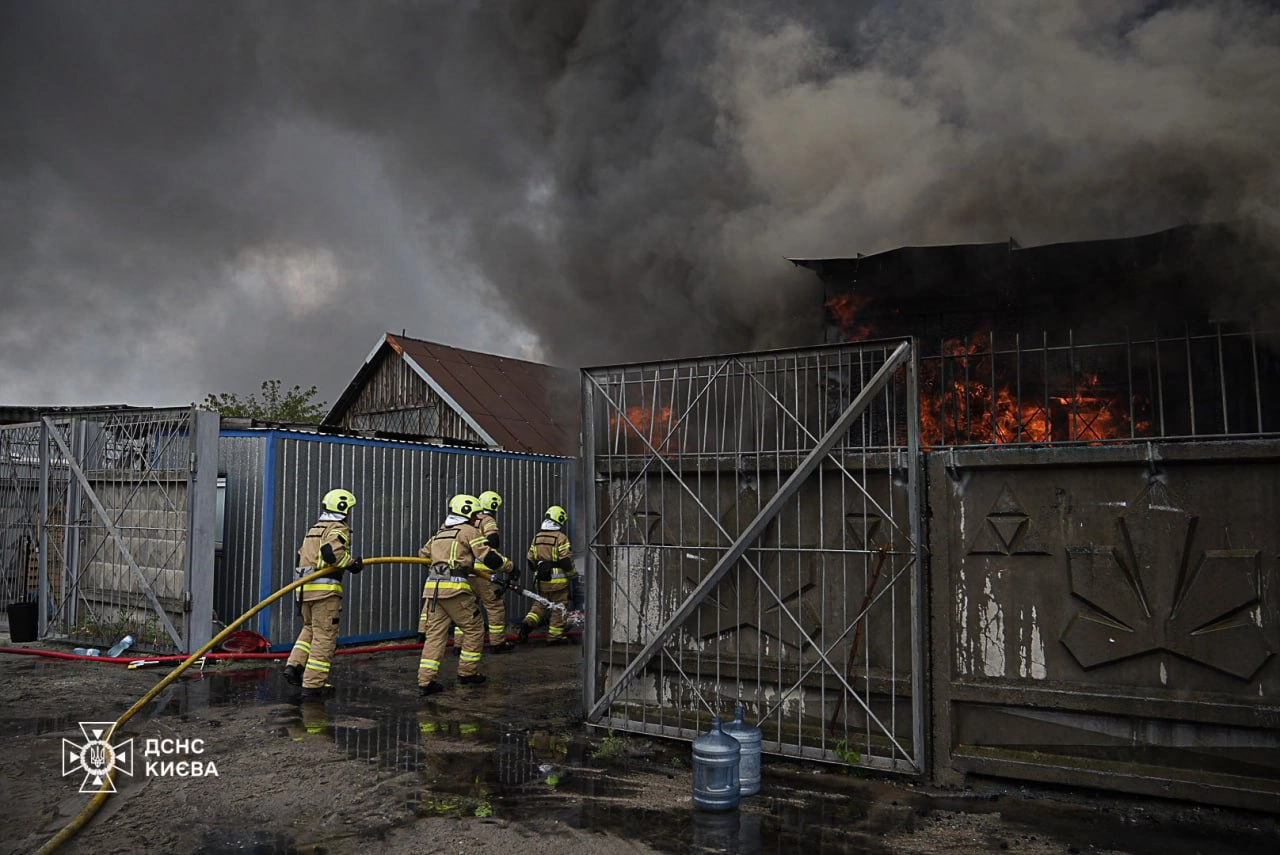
99 798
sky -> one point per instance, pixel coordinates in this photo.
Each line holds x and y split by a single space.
199 196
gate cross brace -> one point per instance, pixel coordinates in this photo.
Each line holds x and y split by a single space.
113 531
757 526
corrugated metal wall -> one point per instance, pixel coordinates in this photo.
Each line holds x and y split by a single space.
241 460
275 480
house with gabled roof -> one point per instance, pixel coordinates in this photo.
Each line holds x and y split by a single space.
408 387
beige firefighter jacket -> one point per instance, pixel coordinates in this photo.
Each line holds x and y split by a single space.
337 534
551 546
455 552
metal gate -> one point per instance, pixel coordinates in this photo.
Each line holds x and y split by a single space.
753 539
108 522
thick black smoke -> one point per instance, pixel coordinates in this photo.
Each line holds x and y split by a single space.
198 196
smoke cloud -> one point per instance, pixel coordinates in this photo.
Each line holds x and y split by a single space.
195 197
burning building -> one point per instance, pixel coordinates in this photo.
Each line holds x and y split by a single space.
1159 336
1012 514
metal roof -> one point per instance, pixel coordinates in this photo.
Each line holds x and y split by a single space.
511 403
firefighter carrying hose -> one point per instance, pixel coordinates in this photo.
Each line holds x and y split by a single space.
489 594
327 544
551 559
455 551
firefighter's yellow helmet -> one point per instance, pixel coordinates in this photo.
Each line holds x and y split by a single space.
557 515
338 501
490 501
464 505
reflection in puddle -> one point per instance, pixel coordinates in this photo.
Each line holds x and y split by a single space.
470 763
458 756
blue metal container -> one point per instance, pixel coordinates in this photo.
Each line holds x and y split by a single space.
716 755
749 737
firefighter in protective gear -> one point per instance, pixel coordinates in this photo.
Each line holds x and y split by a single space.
551 559
489 594
456 551
326 545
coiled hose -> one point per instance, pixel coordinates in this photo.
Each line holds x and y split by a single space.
99 798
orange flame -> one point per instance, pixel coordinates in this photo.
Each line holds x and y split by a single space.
963 410
653 425
845 308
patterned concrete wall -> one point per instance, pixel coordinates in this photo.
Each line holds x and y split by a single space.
1110 617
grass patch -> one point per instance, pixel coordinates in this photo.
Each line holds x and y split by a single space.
611 747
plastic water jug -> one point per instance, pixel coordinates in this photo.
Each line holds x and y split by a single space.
715 769
120 646
749 737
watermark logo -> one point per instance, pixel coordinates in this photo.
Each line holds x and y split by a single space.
97 757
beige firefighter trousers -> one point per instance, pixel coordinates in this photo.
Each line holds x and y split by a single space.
462 609
555 621
313 651
490 596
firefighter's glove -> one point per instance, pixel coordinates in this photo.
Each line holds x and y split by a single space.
543 571
356 565
422 637
326 554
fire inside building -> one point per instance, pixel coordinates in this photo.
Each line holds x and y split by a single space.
1013 514
1154 336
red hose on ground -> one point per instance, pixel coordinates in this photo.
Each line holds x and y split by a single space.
125 660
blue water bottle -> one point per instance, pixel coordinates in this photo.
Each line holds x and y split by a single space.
716 755
749 737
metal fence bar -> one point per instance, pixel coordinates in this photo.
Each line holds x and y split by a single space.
115 534
975 392
754 529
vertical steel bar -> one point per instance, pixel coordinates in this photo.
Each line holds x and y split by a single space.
967 391
1159 383
1257 377
1222 379
42 533
1017 369
593 577
71 538
1048 413
1191 381
995 411
942 397
1073 432
1128 364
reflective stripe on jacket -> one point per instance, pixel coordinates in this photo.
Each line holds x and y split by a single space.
552 545
461 548
488 526
337 534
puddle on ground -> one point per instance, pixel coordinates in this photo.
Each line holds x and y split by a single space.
469 762
225 842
